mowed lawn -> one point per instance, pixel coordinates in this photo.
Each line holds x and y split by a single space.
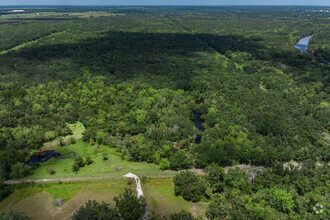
100 167
36 200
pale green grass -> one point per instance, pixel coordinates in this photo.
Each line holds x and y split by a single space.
63 167
36 200
77 133
160 197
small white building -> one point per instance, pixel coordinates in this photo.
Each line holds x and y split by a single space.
18 10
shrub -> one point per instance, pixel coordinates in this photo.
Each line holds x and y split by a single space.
88 160
182 215
105 156
13 216
79 161
144 179
61 141
164 164
129 181
93 210
20 170
75 167
180 161
72 140
50 170
129 206
189 186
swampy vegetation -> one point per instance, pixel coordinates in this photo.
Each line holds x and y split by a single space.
112 90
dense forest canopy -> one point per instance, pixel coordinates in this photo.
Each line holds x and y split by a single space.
135 78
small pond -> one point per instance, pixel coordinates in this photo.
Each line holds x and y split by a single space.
302 44
43 156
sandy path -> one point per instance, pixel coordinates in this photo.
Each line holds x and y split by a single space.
73 179
139 190
138 183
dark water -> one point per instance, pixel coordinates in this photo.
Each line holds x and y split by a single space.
302 44
43 157
198 124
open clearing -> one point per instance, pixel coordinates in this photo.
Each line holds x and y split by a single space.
159 195
61 15
100 168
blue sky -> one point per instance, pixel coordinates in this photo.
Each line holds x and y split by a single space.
165 2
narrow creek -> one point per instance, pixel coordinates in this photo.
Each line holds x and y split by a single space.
198 124
198 121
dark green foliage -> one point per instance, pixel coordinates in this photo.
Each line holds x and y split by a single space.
19 170
130 181
180 160
189 185
164 164
129 206
93 210
104 156
13 216
237 179
182 215
218 208
4 189
75 167
215 177
51 170
88 160
262 101
79 162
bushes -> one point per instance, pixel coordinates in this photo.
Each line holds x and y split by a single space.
128 207
218 208
215 177
51 170
79 162
20 170
93 210
189 185
164 164
4 189
14 216
88 160
182 215
180 160
105 156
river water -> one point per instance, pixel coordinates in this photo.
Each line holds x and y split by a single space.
302 44
198 124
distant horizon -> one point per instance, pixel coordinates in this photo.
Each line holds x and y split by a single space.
76 5
165 3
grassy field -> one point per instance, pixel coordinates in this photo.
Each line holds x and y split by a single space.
160 197
63 167
28 198
36 200
56 15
